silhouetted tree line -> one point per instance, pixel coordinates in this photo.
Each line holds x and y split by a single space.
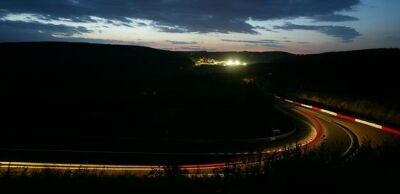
362 83
366 72
248 57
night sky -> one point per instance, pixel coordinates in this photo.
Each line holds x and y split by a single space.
298 26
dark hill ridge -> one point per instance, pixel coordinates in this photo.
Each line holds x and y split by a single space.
123 91
249 57
54 86
47 56
364 83
361 82
95 79
374 72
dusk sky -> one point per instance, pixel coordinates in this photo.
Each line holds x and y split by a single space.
297 26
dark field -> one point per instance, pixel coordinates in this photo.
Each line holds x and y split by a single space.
175 106
60 103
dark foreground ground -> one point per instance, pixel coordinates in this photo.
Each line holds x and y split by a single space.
369 171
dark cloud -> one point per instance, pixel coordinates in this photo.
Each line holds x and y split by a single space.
347 34
23 31
201 16
267 43
141 24
180 42
334 18
263 28
3 13
119 23
170 29
188 48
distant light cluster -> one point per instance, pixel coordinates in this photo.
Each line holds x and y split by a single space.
228 62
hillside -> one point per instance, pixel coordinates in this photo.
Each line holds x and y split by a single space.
61 56
248 57
373 72
363 83
129 91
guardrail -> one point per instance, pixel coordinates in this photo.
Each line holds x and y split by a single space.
342 116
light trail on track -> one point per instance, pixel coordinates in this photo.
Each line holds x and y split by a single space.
333 125
310 141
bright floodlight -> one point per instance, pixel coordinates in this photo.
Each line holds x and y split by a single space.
230 63
236 62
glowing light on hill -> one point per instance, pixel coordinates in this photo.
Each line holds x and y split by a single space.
229 62
232 62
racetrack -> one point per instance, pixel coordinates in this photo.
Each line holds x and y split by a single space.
335 133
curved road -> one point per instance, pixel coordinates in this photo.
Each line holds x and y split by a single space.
335 133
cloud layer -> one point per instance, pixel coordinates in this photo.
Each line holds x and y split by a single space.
266 43
16 31
346 34
201 16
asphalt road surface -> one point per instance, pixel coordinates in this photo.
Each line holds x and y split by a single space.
335 133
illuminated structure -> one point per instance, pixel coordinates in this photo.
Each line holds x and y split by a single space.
229 62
